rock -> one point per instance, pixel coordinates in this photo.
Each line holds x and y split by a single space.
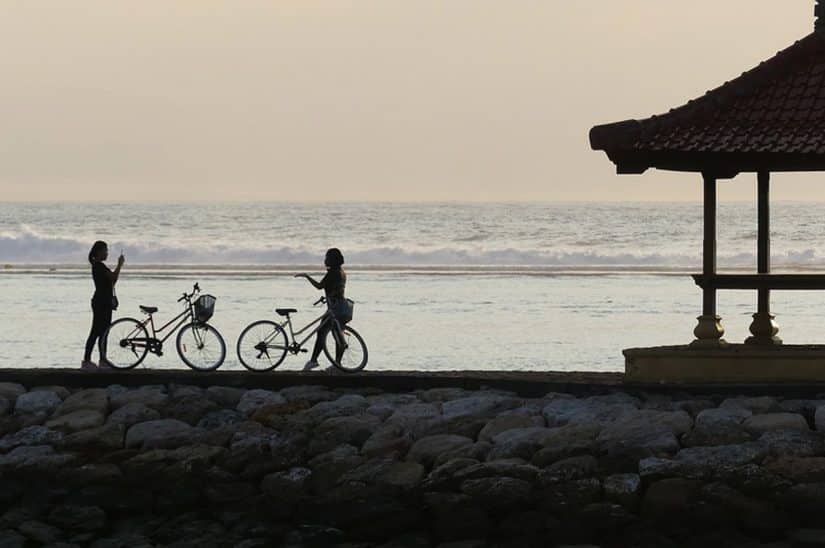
188 408
758 405
283 415
40 532
566 441
162 433
793 443
623 489
519 442
132 413
638 434
253 399
410 415
799 469
479 451
82 419
91 399
37 459
387 441
108 437
586 411
11 391
759 424
289 486
524 472
497 492
349 404
702 462
6 406
78 518
311 394
353 430
388 474
504 423
570 497
693 406
31 435
227 492
426 450
439 395
225 396
154 397
819 418
219 418
328 467
719 427
571 468
36 402
478 406
61 391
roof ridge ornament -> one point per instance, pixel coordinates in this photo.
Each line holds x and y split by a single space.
819 12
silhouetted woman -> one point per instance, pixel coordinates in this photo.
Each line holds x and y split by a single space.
333 284
102 303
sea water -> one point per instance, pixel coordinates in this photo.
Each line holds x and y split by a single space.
437 286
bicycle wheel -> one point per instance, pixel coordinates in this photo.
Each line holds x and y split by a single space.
355 353
127 343
201 347
262 346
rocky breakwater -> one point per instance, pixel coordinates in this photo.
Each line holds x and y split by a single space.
310 466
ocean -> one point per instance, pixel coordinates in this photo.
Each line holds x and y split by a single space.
448 286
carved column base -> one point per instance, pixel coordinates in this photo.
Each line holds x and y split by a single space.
764 330
709 332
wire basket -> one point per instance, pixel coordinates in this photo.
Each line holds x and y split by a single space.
204 308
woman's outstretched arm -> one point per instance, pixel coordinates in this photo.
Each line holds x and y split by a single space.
315 284
116 273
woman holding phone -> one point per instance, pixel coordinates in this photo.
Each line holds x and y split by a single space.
103 303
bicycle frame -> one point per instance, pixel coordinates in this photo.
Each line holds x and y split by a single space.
296 346
155 345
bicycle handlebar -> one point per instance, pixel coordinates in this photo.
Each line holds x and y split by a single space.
195 289
320 301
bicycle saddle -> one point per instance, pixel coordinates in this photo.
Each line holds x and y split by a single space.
149 309
285 311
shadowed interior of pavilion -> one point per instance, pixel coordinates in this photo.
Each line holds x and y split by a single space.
769 119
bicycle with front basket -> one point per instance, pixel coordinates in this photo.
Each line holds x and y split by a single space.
199 345
263 344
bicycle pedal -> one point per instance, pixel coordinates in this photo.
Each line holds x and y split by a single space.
303 350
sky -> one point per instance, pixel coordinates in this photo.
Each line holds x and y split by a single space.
384 100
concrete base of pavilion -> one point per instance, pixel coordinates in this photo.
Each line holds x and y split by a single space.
734 363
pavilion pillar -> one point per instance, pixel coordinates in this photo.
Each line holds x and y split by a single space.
763 328
709 329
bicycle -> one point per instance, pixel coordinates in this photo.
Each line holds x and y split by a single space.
199 345
263 344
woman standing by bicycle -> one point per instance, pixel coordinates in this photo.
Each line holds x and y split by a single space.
103 303
333 284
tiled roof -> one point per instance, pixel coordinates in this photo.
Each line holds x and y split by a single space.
772 117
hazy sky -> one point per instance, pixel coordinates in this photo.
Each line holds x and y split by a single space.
362 100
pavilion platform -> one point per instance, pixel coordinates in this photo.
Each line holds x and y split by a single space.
733 364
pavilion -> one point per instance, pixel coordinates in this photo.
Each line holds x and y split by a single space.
769 119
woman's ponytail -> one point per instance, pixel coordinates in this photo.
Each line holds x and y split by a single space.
96 247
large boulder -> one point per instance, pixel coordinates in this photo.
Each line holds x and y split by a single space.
289 486
108 437
504 423
31 435
388 474
225 396
39 460
426 450
91 399
133 413
353 430
566 441
767 422
702 462
793 442
150 396
78 518
498 492
719 427
519 442
387 441
160 434
74 421
638 434
756 405
11 391
595 410
348 404
253 399
30 403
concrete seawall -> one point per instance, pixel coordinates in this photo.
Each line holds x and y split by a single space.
460 459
